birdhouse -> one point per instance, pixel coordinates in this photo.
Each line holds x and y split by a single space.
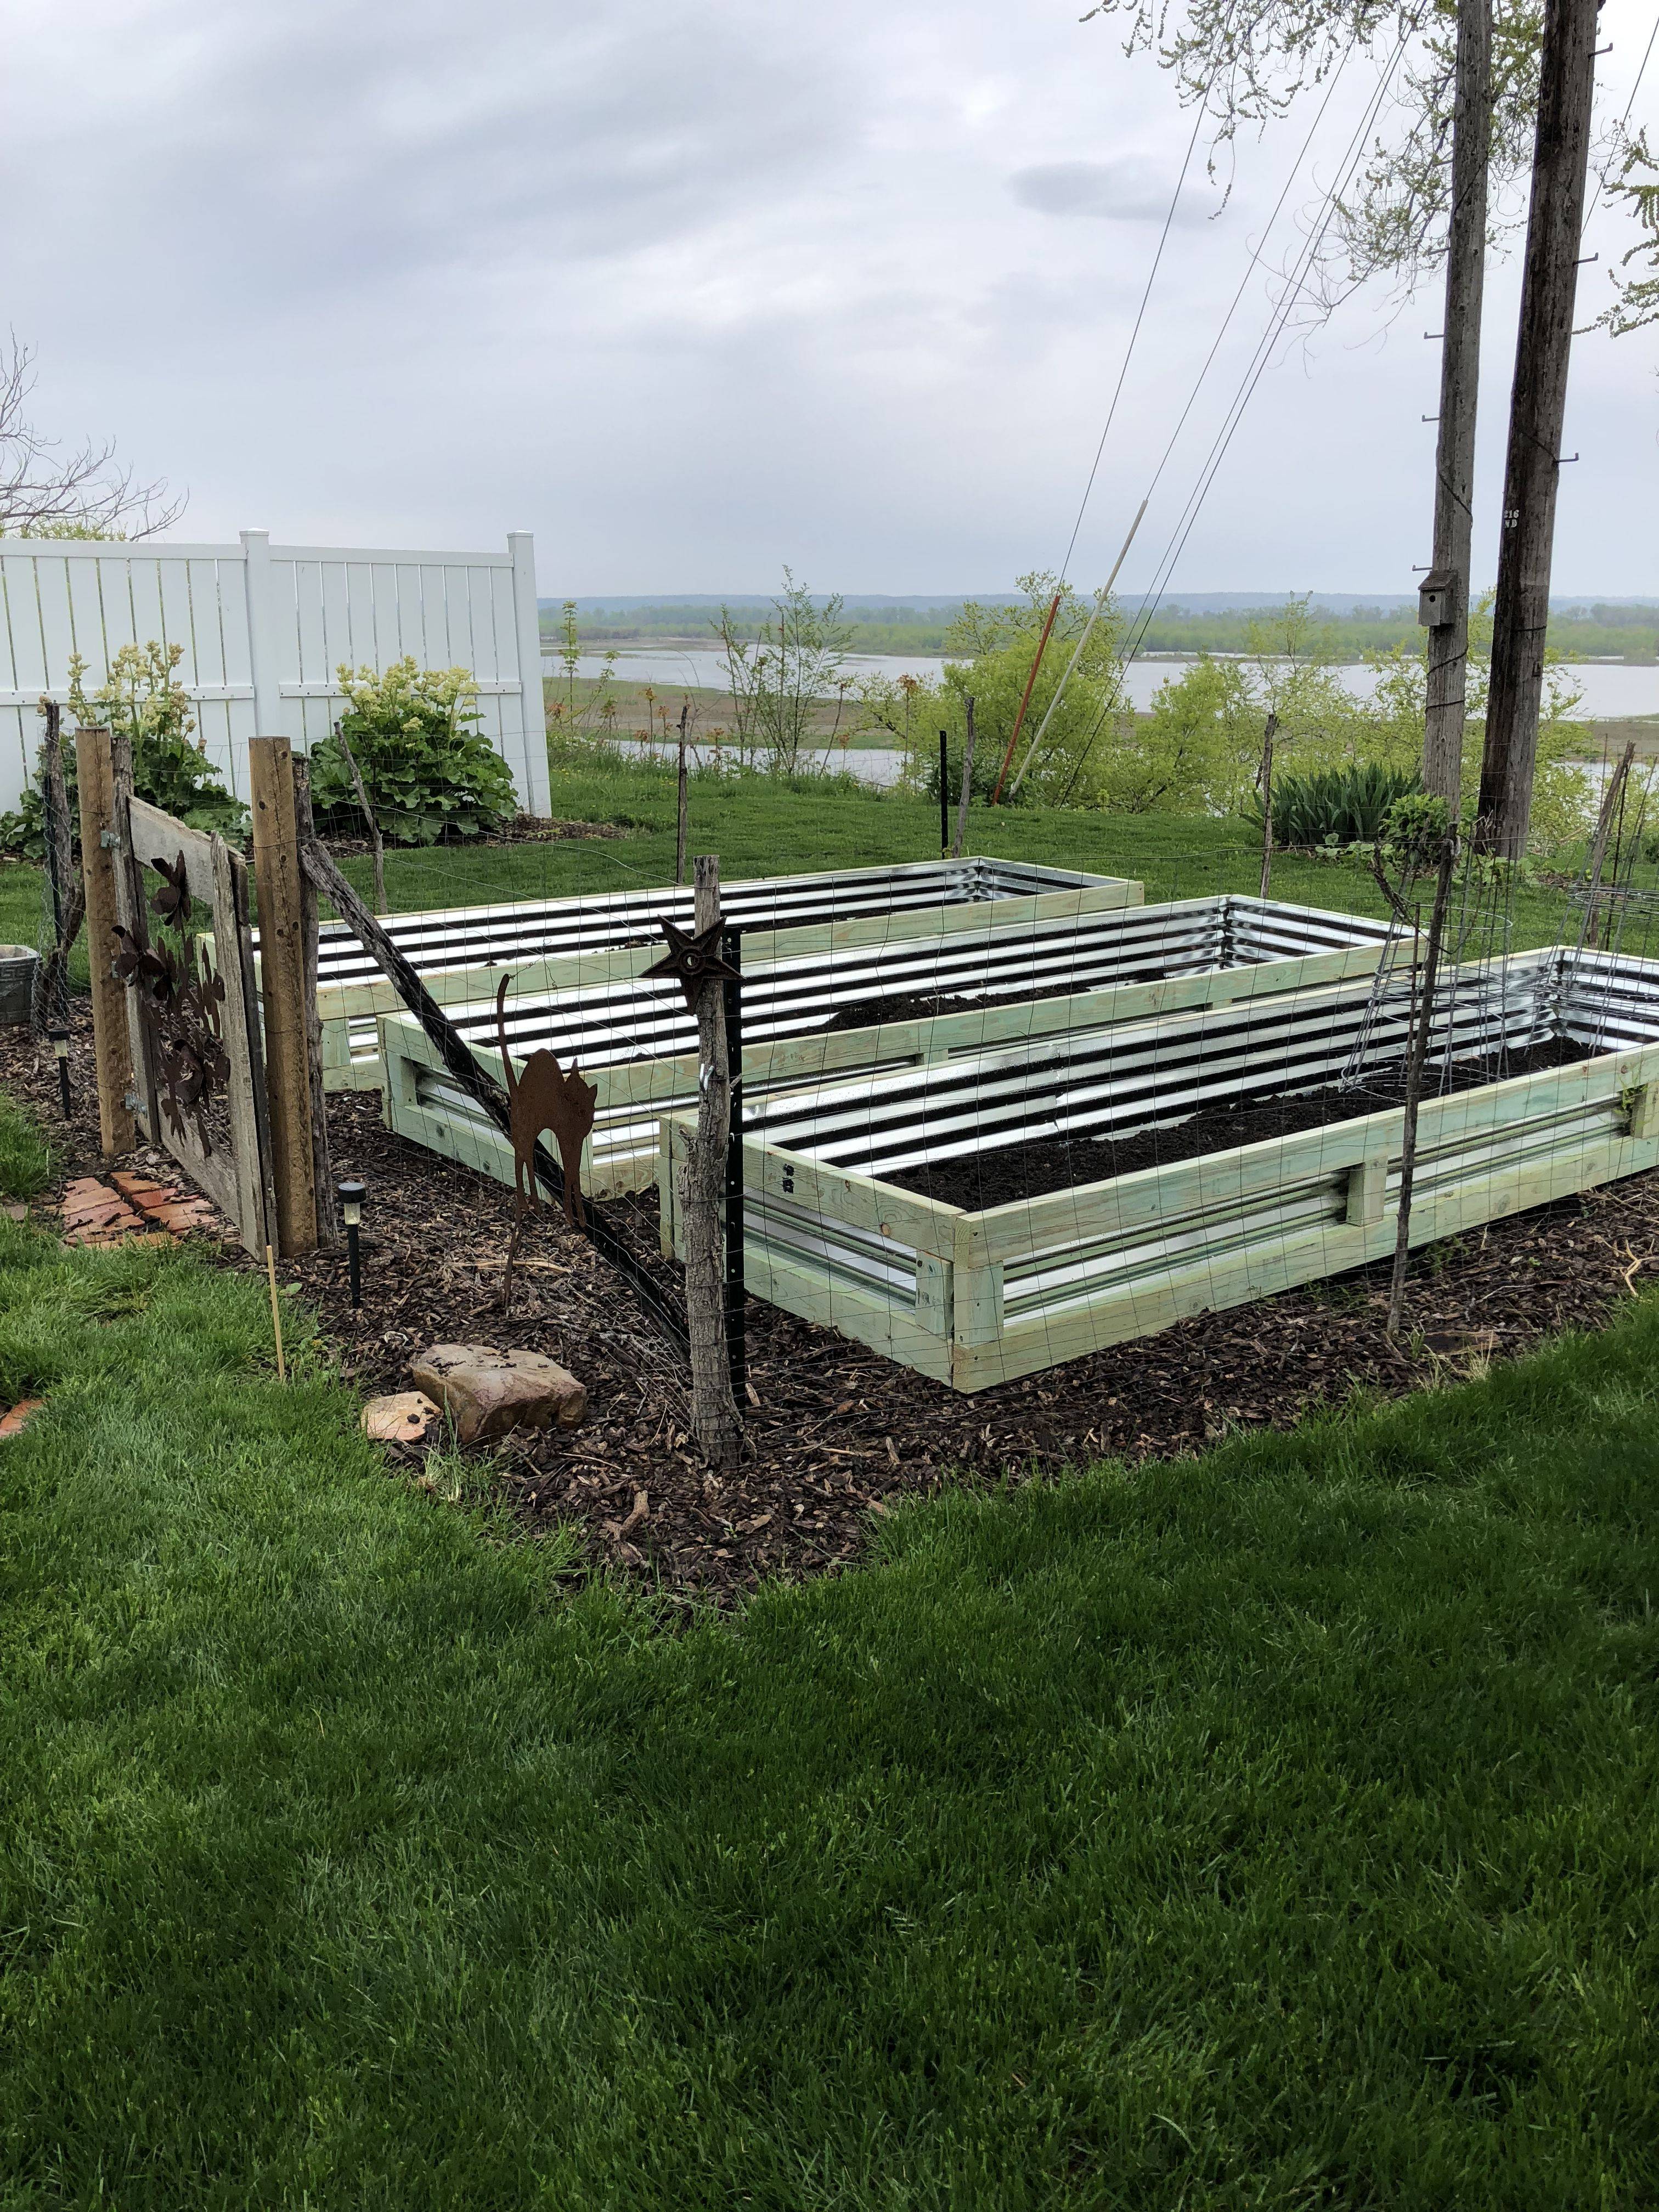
1437 596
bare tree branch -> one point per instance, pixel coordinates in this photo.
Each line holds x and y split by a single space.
48 490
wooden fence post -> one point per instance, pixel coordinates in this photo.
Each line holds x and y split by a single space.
713 1409
94 771
283 993
328 1227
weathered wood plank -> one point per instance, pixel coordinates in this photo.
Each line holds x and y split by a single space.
157 836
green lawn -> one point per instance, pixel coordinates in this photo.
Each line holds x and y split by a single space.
1271 1831
761 827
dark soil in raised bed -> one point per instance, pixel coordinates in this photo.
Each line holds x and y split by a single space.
1011 1172
923 1006
837 1436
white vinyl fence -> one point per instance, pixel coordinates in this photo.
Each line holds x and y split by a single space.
264 629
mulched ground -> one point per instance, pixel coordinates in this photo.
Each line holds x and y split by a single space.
837 1432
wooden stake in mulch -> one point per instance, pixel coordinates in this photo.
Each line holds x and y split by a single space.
698 967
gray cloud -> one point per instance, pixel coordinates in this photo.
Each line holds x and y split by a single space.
694 292
1121 191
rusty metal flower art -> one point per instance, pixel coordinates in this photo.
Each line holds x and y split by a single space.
171 901
693 961
181 1005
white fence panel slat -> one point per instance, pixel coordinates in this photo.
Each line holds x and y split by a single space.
383 598
143 615
85 599
339 640
264 630
27 645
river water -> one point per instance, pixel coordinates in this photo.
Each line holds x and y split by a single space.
1610 691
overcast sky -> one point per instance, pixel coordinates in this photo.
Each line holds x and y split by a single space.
692 293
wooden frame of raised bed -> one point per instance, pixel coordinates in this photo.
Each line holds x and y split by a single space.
636 1042
606 937
976 1298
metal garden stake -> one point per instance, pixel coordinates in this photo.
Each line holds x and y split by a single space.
60 1052
351 1194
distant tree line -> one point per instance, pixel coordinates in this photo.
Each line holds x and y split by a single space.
1576 630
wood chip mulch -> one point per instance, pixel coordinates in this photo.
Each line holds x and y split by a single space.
838 1433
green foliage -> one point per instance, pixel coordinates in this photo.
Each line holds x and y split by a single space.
141 697
431 778
1334 805
778 680
578 723
991 648
1416 832
1195 751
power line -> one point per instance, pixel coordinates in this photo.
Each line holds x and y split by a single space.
1252 377
1128 352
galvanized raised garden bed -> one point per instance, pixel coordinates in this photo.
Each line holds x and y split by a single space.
609 936
637 1044
976 1298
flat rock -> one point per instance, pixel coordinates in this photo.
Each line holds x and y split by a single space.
407 1417
14 1423
486 1392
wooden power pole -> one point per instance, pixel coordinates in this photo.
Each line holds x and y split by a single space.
1537 409
1446 586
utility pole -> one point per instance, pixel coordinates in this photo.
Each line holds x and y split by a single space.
1537 408
1460 391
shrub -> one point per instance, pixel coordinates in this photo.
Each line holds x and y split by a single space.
431 778
141 697
989 652
1336 805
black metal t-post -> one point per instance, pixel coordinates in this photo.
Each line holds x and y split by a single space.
737 1349
943 802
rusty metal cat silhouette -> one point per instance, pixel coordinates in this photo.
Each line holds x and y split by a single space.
541 1096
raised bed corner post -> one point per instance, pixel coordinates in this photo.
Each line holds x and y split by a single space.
94 769
281 974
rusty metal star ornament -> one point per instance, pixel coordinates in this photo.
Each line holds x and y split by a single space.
693 960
